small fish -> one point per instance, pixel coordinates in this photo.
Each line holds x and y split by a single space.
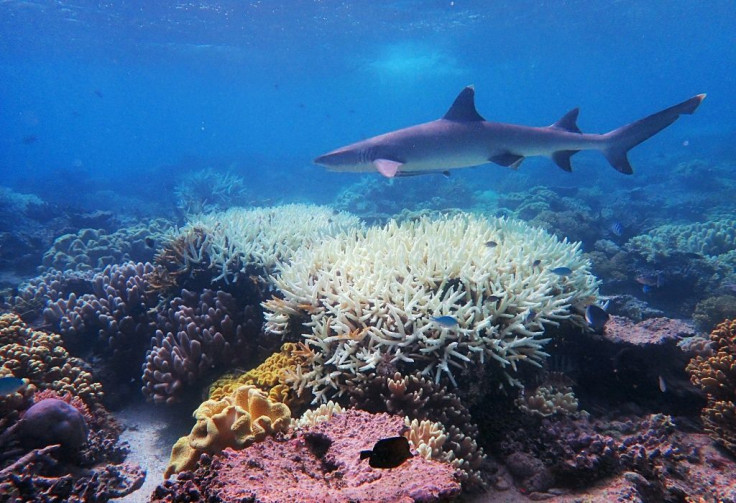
150 242
98 93
617 229
29 139
536 263
493 298
530 317
491 244
662 385
651 279
388 453
10 384
646 288
445 321
596 317
693 255
561 271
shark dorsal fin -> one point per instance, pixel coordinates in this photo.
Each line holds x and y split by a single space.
463 108
569 122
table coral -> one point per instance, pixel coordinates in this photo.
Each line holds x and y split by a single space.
235 421
716 376
365 297
320 463
41 358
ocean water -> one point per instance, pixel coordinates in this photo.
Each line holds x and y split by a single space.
128 97
113 114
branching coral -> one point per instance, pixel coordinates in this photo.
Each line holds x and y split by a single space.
716 376
366 297
41 358
239 240
235 421
199 333
114 321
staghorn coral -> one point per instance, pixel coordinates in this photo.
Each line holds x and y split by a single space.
240 242
367 297
208 190
199 333
41 358
715 374
95 249
271 376
235 421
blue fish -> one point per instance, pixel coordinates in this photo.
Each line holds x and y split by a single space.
445 321
10 384
561 271
596 317
617 229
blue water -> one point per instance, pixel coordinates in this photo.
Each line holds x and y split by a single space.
127 96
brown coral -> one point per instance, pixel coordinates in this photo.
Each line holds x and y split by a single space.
716 376
235 421
41 358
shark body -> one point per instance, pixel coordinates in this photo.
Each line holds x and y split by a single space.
463 138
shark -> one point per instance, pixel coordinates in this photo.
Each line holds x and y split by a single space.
463 138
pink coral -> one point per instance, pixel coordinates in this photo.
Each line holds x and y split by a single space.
321 463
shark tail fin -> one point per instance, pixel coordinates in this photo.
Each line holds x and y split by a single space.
619 141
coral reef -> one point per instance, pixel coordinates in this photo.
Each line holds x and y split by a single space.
553 396
319 463
711 311
235 421
241 242
208 190
95 249
199 333
431 406
41 358
366 297
714 237
716 376
270 376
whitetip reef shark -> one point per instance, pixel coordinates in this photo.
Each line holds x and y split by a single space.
463 138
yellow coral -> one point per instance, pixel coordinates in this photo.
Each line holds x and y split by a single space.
41 359
270 376
234 421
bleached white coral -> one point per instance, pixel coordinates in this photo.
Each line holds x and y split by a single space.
370 296
323 413
234 239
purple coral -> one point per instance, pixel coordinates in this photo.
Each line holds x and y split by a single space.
52 421
200 332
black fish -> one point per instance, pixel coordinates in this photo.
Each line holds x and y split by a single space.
150 242
491 244
596 317
388 453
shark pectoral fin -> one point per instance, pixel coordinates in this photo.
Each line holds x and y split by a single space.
386 167
562 158
508 159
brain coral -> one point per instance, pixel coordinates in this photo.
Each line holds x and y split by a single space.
367 297
235 421
260 237
41 358
716 375
714 237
